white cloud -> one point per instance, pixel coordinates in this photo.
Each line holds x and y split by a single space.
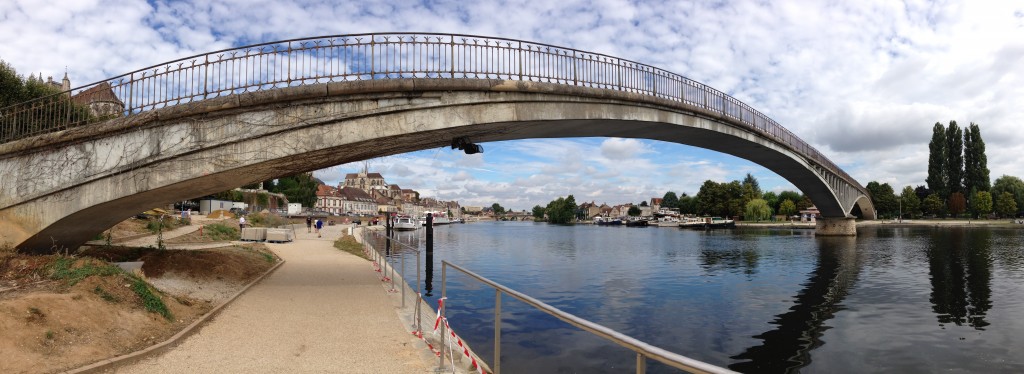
621 149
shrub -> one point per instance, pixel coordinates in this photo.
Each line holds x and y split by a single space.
220 231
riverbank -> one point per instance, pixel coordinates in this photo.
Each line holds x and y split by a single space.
1001 223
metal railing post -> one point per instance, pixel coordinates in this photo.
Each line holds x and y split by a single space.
403 280
419 293
497 331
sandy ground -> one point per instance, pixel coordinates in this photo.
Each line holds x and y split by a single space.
323 311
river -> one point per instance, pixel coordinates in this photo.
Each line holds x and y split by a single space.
907 300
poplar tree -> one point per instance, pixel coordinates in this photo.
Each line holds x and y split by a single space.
937 161
954 158
976 174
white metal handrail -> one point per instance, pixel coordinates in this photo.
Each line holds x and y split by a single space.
643 350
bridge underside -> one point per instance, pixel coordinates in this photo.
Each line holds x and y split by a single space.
85 180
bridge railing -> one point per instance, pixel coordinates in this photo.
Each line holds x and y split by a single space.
377 56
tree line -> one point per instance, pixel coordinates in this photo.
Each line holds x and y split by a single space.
727 199
737 198
958 181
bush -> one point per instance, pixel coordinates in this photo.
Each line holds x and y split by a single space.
349 244
220 231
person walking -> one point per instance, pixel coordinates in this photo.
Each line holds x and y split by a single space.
319 226
309 224
241 222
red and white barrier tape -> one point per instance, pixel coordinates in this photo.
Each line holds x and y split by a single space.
453 337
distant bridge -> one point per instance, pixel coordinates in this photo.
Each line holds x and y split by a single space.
211 122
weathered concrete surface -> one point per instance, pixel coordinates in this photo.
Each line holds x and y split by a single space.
836 226
66 187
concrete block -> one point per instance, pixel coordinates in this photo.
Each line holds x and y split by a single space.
279 235
254 234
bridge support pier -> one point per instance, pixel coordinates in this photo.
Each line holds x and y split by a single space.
836 226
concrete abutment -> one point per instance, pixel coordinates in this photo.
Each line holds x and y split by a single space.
836 226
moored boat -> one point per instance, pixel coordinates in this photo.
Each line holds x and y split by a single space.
404 223
604 221
439 219
692 223
708 223
637 223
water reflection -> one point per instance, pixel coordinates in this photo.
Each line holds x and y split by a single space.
787 347
960 268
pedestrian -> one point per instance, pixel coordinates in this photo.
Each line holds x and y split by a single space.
241 222
319 225
309 224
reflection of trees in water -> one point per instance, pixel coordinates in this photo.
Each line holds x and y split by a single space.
787 347
960 267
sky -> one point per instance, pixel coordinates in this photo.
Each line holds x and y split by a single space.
861 81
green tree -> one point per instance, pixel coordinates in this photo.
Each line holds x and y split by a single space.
937 179
772 199
957 204
787 208
1013 185
792 196
911 204
757 210
499 210
720 199
299 188
538 212
643 203
751 189
981 203
687 204
884 199
954 158
562 210
634 211
932 204
1005 205
976 173
670 200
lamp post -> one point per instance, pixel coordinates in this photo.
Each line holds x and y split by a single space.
901 209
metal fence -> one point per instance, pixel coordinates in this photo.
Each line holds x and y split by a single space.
387 251
643 350
373 56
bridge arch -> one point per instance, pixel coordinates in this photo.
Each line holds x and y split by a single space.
83 180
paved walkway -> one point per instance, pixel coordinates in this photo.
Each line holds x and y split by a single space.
324 311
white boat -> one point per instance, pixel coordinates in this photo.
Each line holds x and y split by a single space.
403 223
439 219
691 223
667 222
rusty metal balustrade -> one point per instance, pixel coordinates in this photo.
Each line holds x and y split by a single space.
340 58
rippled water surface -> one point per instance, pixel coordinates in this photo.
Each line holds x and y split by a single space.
891 300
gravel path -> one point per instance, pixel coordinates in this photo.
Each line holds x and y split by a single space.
323 311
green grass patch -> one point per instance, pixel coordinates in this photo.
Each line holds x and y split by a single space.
64 269
349 244
220 231
150 300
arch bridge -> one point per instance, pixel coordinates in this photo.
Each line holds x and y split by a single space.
211 122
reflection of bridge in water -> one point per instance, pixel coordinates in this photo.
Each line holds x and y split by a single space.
213 122
798 331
